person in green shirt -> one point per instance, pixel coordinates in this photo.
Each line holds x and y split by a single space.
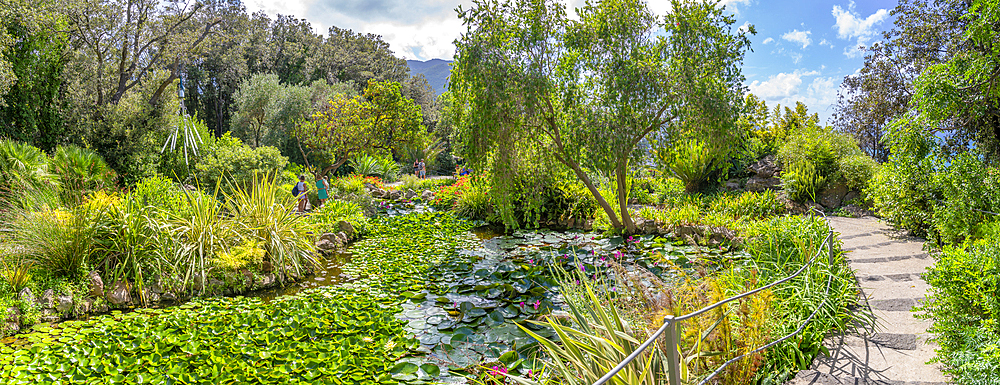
321 188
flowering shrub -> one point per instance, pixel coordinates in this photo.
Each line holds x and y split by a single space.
446 196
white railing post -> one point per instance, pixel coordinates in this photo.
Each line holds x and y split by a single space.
673 359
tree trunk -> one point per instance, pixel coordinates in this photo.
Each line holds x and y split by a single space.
593 190
620 176
331 168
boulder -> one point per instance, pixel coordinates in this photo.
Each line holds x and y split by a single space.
267 280
26 295
394 195
48 299
329 242
833 196
168 297
410 194
733 185
856 211
342 238
87 306
427 195
120 295
64 304
49 316
347 228
814 207
851 195
766 167
758 183
13 315
96 284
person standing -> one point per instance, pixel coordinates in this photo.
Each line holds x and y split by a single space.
423 169
302 190
416 168
322 188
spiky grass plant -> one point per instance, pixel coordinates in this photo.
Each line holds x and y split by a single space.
261 214
199 234
60 241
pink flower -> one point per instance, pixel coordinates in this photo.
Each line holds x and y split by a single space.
497 370
537 302
522 304
582 269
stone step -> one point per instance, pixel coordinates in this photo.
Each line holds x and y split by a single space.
813 377
910 266
888 290
875 358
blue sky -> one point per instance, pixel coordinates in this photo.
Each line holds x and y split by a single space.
802 50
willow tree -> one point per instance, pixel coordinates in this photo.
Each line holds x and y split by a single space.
592 90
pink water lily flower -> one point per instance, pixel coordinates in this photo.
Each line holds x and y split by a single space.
537 302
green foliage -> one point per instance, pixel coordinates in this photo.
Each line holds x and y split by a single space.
968 184
474 203
378 120
58 240
597 341
778 247
585 92
902 191
325 219
80 171
24 174
380 166
749 204
857 170
15 271
691 161
802 181
332 333
965 306
261 213
351 184
233 164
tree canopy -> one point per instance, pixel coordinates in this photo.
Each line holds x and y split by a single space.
589 92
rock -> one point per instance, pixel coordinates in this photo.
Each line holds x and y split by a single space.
813 207
427 195
766 167
49 316
13 328
267 280
64 304
26 295
325 245
48 299
856 211
733 185
831 197
168 297
792 207
96 284
87 306
347 228
588 225
13 315
758 183
410 194
266 267
120 294
394 195
342 238
701 234
851 195
329 242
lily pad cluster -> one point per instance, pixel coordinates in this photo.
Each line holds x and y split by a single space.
323 336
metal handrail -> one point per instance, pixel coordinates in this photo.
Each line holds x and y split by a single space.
670 323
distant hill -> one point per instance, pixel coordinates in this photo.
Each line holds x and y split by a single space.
435 70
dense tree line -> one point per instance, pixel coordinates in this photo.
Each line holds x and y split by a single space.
103 74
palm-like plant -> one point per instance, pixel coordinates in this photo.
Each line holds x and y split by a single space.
198 235
80 172
24 171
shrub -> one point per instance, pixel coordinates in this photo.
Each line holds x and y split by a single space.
446 196
411 182
964 303
968 184
24 176
57 240
231 164
857 170
691 161
263 215
239 257
380 166
749 204
80 171
474 203
802 181
324 219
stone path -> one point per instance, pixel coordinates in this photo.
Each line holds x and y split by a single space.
896 348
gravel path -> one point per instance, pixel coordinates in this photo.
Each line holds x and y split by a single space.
894 350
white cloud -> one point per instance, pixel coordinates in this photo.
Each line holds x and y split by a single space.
731 5
796 36
850 25
745 27
796 57
768 41
780 86
826 43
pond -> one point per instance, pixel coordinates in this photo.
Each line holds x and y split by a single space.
424 297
